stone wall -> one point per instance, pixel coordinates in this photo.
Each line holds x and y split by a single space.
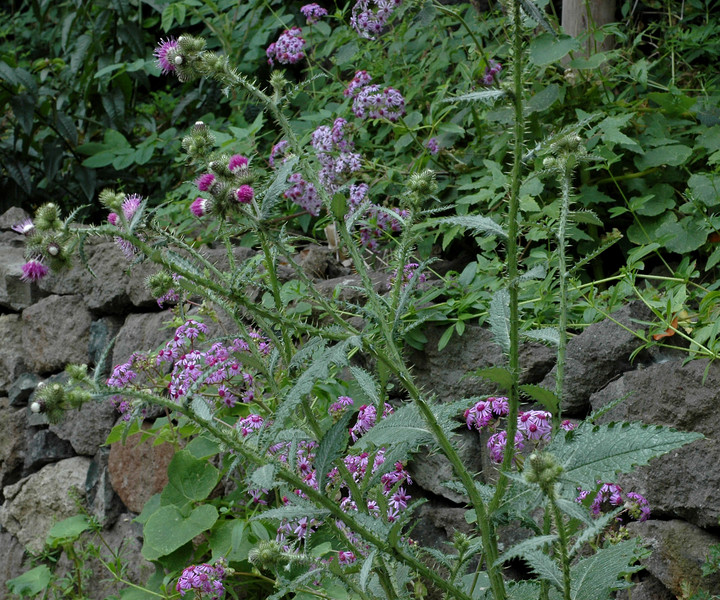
71 318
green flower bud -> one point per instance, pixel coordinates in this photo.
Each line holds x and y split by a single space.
423 183
159 284
542 469
47 218
265 554
111 200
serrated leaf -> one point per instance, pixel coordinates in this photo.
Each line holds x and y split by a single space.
544 567
549 335
499 319
532 544
331 447
483 96
291 512
536 272
532 11
66 126
476 223
542 395
584 216
367 383
77 58
201 409
367 569
499 375
594 529
600 452
264 477
274 192
595 577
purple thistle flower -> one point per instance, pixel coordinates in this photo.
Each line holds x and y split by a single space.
34 270
244 194
492 71
278 149
204 182
113 219
167 55
313 13
200 206
236 162
25 227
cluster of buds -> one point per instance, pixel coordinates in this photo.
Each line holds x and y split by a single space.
228 181
186 57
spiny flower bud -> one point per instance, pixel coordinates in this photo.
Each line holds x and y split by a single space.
159 283
542 469
47 218
423 183
112 200
265 554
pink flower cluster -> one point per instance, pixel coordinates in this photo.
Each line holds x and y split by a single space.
288 49
216 373
375 103
369 17
304 194
392 485
612 495
532 425
313 13
203 580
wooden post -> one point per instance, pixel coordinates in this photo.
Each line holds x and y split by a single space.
581 16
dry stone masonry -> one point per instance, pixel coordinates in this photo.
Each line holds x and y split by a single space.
72 318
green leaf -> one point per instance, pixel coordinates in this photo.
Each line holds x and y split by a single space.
367 383
203 447
264 477
591 453
167 529
705 188
684 236
66 126
346 53
168 16
499 319
190 477
31 582
532 544
499 375
407 426
546 48
476 223
595 577
672 154
296 510
544 567
367 569
331 447
67 530
542 395
533 11
487 96
273 195
544 99
548 335
102 159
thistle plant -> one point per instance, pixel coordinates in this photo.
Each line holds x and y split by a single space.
328 471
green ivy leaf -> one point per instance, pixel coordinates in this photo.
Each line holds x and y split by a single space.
190 478
168 529
673 155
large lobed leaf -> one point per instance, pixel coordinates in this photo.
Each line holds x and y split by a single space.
599 452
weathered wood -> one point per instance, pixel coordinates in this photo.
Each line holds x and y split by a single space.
580 16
